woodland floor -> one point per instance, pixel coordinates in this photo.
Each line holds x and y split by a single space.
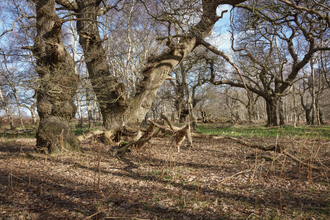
158 182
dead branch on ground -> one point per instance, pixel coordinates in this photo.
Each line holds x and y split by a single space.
18 132
275 147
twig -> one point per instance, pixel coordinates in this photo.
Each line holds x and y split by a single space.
236 174
93 215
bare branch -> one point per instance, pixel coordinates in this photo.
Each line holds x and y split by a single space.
309 11
68 4
105 9
223 55
22 16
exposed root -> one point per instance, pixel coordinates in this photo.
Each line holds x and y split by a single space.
147 135
90 134
136 140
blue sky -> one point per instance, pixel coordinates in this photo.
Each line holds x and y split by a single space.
220 37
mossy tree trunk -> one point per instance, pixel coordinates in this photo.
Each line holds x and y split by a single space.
57 83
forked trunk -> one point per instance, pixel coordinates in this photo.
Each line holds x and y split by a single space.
116 109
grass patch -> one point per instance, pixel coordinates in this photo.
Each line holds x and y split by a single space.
85 128
322 132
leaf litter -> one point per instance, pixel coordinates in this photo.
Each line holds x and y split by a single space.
215 179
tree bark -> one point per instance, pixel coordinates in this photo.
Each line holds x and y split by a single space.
89 108
251 108
189 102
313 92
294 107
4 104
281 111
58 83
80 118
271 112
19 109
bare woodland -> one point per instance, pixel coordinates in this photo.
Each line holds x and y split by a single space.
144 73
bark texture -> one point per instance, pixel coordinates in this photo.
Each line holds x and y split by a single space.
271 107
58 83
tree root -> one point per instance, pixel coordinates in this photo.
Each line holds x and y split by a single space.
135 141
90 134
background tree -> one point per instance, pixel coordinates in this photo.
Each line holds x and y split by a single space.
267 35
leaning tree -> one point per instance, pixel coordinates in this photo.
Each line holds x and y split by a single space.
176 21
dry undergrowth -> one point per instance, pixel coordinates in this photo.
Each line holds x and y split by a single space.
216 179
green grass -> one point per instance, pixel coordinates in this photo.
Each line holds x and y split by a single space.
249 131
263 131
85 128
77 131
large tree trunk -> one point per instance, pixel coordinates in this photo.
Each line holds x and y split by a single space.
307 109
190 106
271 112
308 115
116 109
251 108
58 83
179 102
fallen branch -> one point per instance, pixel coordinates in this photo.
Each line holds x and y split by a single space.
236 174
179 134
275 147
122 150
18 132
162 129
147 135
174 128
